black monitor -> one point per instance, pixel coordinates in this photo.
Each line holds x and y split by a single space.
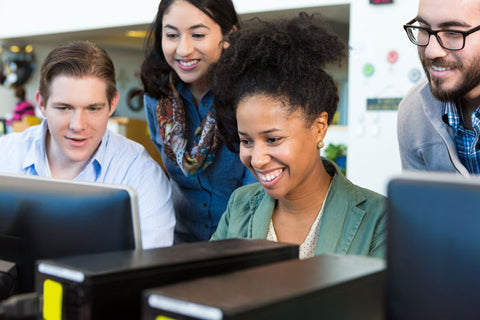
44 218
433 256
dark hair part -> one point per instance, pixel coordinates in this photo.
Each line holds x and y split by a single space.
20 93
78 59
155 69
284 59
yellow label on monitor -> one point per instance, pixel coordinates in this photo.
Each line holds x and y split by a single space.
52 300
163 318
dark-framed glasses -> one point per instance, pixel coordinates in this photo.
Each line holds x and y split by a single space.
448 39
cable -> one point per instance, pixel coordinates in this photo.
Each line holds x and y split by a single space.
21 306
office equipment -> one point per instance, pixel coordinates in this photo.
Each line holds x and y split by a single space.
47 218
433 247
322 287
109 285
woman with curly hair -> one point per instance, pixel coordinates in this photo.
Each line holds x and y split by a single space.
186 37
275 99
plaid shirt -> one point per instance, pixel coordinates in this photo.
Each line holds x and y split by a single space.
468 148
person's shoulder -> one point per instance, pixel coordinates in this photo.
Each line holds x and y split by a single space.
124 150
372 196
149 102
249 190
16 146
124 144
374 203
132 158
30 134
416 94
360 195
11 142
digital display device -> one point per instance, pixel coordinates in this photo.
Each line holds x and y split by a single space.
47 218
433 247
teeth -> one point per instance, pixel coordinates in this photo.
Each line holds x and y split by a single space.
270 176
187 63
439 68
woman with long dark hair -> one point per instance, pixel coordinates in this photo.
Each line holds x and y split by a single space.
184 40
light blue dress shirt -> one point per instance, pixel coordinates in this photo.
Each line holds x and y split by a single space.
118 160
199 200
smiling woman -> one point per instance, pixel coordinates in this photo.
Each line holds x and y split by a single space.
275 99
185 39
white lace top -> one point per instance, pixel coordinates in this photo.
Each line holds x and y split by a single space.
307 248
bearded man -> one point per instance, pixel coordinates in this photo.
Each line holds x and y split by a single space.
439 119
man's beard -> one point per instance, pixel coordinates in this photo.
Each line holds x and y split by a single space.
470 78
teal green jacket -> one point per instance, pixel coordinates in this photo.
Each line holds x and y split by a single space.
353 221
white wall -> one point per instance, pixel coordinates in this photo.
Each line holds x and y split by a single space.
375 30
31 17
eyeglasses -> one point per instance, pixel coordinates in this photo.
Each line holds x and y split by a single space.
449 39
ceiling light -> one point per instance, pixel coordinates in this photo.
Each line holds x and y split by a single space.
14 49
136 33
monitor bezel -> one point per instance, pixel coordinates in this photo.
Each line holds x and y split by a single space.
132 194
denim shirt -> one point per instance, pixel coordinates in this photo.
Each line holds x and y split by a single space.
200 200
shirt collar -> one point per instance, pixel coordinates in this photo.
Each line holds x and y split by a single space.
36 154
99 158
451 116
187 95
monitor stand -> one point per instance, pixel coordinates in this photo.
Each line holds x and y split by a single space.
8 279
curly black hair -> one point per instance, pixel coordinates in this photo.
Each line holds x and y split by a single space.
284 59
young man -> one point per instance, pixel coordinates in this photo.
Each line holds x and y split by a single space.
77 95
439 119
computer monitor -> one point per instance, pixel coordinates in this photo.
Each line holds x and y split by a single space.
42 218
433 247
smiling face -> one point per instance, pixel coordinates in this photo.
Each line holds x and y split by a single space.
278 146
452 74
191 41
77 113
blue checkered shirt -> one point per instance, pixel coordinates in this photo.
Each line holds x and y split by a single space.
467 140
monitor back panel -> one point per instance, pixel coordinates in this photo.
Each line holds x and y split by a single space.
47 218
433 248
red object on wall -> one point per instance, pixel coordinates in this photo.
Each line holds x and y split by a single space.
392 56
380 1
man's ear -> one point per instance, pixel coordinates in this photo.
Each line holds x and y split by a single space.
114 103
41 103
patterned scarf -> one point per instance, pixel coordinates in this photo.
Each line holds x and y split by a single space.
172 125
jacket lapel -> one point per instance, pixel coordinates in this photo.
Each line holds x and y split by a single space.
341 217
262 209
